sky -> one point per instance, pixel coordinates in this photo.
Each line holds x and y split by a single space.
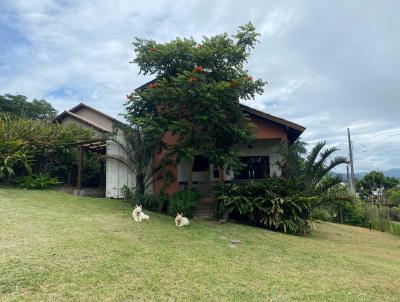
330 65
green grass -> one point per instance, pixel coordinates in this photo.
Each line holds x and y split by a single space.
57 247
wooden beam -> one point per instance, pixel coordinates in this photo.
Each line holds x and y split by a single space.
80 162
221 174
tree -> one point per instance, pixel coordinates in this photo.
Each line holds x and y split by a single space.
18 105
138 150
394 196
195 96
374 180
310 173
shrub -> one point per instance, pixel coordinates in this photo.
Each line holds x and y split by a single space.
127 192
37 182
37 146
272 203
354 213
184 202
321 214
147 200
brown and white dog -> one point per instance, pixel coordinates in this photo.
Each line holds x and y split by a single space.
180 220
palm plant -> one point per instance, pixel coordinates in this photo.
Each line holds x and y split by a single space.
138 151
312 174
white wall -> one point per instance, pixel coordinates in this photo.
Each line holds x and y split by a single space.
117 174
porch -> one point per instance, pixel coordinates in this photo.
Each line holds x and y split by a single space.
259 162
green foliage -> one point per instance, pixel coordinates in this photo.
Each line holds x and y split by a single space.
195 96
18 106
321 214
147 200
379 219
374 180
13 154
184 202
286 203
37 146
310 173
355 213
273 203
394 197
127 192
138 154
37 182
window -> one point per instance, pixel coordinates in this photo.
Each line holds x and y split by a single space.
200 164
255 167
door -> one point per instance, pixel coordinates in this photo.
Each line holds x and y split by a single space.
255 167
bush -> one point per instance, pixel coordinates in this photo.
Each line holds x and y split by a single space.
127 192
37 182
184 202
354 213
38 147
147 200
273 203
321 214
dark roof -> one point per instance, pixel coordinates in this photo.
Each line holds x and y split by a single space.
146 84
82 105
294 130
82 119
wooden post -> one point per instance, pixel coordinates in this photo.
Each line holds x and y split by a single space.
221 174
101 180
80 161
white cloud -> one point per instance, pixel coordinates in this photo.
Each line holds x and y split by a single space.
329 65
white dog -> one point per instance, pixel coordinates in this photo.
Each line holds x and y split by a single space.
138 215
180 220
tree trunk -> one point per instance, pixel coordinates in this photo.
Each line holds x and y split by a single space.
190 174
140 184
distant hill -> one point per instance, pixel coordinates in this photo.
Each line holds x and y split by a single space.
390 173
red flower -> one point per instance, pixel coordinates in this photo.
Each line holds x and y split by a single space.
153 49
250 78
191 80
199 69
152 86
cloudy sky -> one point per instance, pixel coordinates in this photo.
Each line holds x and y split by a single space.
329 65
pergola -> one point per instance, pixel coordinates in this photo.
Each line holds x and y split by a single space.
95 145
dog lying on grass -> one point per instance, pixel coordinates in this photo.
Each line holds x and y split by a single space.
180 220
138 215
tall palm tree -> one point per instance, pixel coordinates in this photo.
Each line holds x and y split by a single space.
311 173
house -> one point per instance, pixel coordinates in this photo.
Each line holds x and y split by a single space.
259 159
115 174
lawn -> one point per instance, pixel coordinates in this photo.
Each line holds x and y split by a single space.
60 247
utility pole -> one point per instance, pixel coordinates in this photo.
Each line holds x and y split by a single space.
352 182
348 176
